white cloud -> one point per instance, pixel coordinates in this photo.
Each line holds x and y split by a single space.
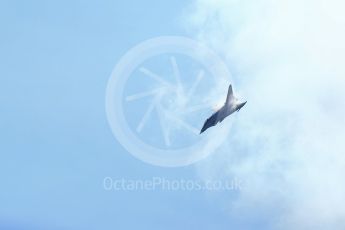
288 143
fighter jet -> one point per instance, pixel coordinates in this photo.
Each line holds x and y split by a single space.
231 105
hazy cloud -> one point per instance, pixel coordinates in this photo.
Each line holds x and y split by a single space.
288 61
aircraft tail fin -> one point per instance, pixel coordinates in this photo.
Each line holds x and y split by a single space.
230 95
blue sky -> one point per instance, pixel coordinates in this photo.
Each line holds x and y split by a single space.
56 148
56 145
